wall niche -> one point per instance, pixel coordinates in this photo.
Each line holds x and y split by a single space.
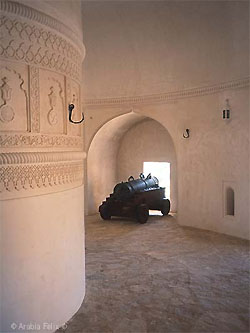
229 199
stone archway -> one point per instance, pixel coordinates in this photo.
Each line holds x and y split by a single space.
102 165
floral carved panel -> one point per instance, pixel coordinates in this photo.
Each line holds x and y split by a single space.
14 106
52 102
34 98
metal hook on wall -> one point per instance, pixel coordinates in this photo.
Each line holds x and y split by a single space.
186 134
71 107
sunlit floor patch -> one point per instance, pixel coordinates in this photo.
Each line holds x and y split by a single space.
155 212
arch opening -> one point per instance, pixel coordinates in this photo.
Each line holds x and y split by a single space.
118 151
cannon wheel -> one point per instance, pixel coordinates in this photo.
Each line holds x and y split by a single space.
105 215
165 207
142 213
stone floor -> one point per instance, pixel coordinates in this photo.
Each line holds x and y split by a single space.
160 277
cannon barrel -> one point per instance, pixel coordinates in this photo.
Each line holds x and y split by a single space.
135 198
135 185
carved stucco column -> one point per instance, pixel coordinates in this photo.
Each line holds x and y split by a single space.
41 175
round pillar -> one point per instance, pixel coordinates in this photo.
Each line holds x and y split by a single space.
41 177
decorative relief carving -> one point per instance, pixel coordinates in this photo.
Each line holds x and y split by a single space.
53 97
13 94
7 114
6 111
170 96
30 179
39 141
32 14
39 157
35 45
34 98
52 106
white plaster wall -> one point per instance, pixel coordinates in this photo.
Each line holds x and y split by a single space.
147 47
102 159
101 171
177 62
216 152
42 266
147 141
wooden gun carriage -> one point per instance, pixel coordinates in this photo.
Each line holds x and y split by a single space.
135 198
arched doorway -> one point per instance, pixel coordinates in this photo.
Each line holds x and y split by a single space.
119 149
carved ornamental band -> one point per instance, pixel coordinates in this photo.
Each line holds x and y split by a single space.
40 75
38 46
36 179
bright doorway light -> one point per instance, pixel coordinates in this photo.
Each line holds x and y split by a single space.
161 170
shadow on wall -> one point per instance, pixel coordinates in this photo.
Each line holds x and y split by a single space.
119 149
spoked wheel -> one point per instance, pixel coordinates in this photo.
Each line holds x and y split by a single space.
165 208
142 213
104 212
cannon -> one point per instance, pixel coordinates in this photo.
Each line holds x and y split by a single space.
135 198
